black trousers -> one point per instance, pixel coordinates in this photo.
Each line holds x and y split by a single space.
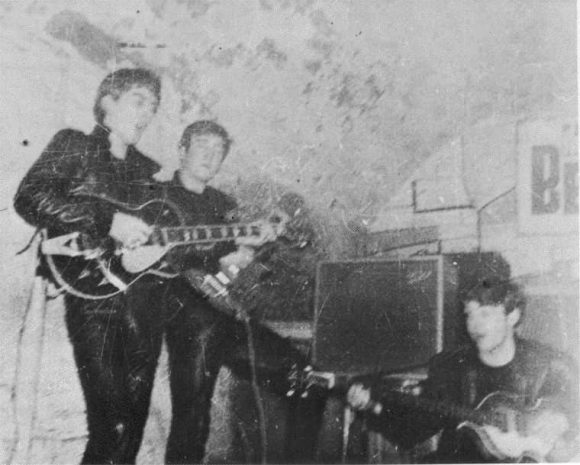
116 345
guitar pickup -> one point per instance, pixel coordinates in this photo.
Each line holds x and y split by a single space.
223 278
213 286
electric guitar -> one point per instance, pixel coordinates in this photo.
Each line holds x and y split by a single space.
101 268
501 410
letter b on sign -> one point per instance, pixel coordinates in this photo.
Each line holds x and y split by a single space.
548 177
545 179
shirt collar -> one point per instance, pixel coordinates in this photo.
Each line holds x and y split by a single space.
101 133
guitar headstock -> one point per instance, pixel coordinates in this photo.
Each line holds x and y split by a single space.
293 227
279 219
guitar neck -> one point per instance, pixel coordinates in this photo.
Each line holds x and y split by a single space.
390 396
186 235
444 409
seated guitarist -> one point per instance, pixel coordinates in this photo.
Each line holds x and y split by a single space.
201 338
496 360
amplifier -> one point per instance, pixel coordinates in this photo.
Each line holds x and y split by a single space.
390 314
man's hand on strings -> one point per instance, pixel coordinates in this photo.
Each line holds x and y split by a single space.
549 427
130 231
235 261
359 397
541 437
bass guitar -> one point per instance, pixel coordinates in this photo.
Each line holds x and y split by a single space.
101 268
504 411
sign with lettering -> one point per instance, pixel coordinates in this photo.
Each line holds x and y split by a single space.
548 177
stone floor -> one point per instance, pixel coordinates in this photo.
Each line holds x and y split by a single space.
41 403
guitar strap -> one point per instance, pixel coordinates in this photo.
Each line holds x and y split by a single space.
530 375
533 386
468 379
469 387
28 361
34 236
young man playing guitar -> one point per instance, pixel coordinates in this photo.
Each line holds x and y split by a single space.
213 338
116 341
536 378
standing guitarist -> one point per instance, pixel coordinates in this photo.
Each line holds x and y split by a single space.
116 341
496 361
201 339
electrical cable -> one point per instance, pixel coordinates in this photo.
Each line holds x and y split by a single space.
37 296
256 390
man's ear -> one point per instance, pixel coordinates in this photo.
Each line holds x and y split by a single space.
106 102
181 153
514 317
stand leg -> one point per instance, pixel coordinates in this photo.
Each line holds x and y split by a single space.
29 355
347 419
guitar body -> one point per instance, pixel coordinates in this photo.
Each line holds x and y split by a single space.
101 269
507 412
215 289
484 427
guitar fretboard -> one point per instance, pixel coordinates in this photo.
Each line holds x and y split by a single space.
446 409
440 408
184 235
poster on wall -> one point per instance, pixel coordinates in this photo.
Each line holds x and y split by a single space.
548 177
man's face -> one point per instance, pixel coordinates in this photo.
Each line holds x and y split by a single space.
489 326
204 157
130 114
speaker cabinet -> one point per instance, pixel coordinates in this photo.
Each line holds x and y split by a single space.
390 314
375 315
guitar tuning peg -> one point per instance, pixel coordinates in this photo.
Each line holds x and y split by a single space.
291 392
